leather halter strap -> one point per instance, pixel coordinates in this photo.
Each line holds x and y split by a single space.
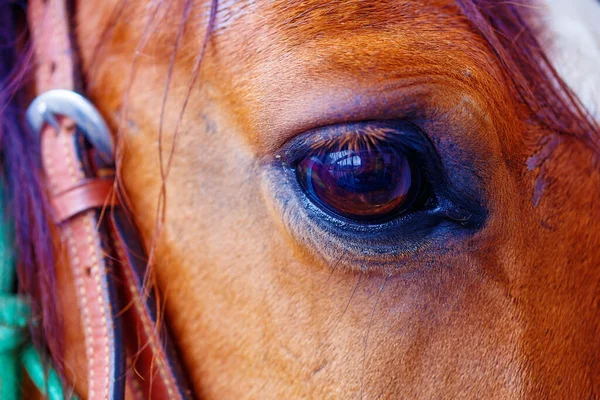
119 319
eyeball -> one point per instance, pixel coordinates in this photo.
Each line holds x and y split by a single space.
360 182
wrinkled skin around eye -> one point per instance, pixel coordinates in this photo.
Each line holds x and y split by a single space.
363 184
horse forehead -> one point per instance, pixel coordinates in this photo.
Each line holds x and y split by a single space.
372 44
341 34
316 16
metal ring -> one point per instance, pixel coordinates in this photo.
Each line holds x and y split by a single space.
47 105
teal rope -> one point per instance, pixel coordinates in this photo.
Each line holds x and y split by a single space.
16 350
14 315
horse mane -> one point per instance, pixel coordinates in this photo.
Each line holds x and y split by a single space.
25 200
506 26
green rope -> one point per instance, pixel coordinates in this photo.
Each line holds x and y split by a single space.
16 350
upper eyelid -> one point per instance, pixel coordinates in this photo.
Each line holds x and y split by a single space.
326 137
406 99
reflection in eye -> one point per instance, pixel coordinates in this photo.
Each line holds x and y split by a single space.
363 178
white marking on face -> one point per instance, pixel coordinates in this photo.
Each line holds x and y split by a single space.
573 45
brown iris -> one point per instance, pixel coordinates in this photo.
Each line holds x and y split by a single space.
366 183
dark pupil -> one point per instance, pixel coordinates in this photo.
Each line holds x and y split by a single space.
362 184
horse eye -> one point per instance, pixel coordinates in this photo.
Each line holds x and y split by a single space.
363 182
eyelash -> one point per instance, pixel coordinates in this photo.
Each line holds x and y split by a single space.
330 137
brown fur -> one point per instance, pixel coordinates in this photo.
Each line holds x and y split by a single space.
262 308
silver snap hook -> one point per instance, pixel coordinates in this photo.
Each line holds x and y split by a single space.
48 105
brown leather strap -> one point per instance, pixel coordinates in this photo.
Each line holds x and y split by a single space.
155 359
88 259
90 194
106 258
49 29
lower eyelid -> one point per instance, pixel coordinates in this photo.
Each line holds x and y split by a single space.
363 245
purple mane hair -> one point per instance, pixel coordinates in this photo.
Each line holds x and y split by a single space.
504 25
24 198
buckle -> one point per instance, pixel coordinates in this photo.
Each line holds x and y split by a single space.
44 108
